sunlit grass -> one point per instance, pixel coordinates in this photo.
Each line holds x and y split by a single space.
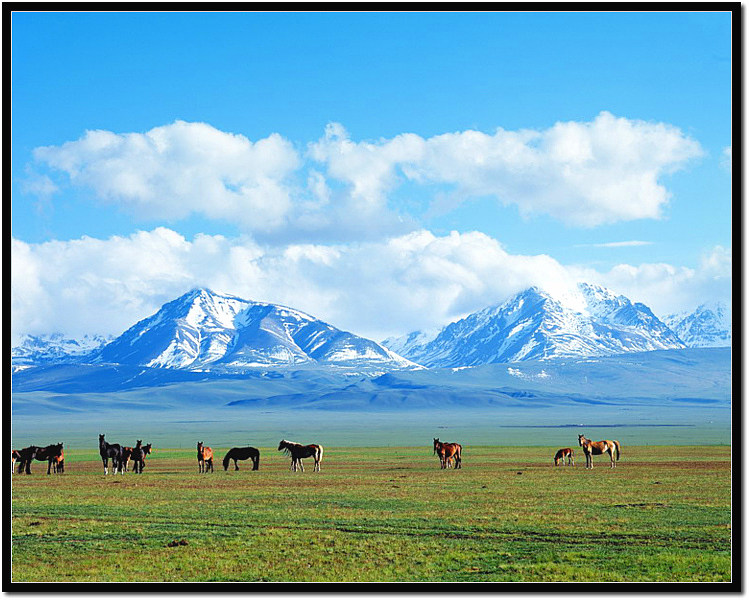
381 514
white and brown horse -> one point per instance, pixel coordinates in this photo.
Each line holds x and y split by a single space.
448 452
563 453
205 458
298 452
603 447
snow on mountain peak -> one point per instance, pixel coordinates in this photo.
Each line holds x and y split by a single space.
535 324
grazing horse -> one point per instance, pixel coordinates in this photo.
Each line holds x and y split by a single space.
113 451
205 458
298 452
236 454
590 448
50 454
138 456
15 456
563 453
25 456
447 453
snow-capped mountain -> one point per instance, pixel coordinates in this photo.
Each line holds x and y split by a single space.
708 326
593 321
54 348
204 330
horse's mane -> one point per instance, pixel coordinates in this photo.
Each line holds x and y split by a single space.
286 443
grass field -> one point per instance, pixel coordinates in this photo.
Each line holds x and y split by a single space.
381 514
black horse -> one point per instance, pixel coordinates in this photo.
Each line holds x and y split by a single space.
138 456
51 454
25 456
113 451
236 454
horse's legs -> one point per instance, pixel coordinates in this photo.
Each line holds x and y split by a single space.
236 465
105 462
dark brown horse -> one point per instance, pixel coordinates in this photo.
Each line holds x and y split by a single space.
205 458
298 452
563 453
127 452
138 456
603 447
51 454
448 452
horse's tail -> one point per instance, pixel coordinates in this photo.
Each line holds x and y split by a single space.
318 458
256 461
617 449
227 458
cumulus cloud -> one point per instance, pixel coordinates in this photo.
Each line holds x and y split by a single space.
726 160
584 174
375 289
173 171
667 288
337 189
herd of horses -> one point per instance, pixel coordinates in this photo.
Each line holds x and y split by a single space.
450 455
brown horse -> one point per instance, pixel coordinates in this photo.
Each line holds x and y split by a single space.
563 453
606 446
127 452
138 456
58 463
205 458
447 453
51 454
298 452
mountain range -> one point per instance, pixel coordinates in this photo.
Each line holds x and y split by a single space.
706 327
205 331
591 321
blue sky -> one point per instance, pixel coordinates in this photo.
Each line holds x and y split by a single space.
353 131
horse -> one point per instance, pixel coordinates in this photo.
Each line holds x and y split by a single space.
113 451
563 453
138 456
590 448
298 452
58 464
14 456
50 454
25 456
236 454
448 452
127 451
205 458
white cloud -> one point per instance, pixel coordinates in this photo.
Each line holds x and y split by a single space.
173 171
666 288
726 159
585 174
376 289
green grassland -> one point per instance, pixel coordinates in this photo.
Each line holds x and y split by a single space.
380 514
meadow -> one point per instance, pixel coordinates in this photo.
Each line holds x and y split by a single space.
380 515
